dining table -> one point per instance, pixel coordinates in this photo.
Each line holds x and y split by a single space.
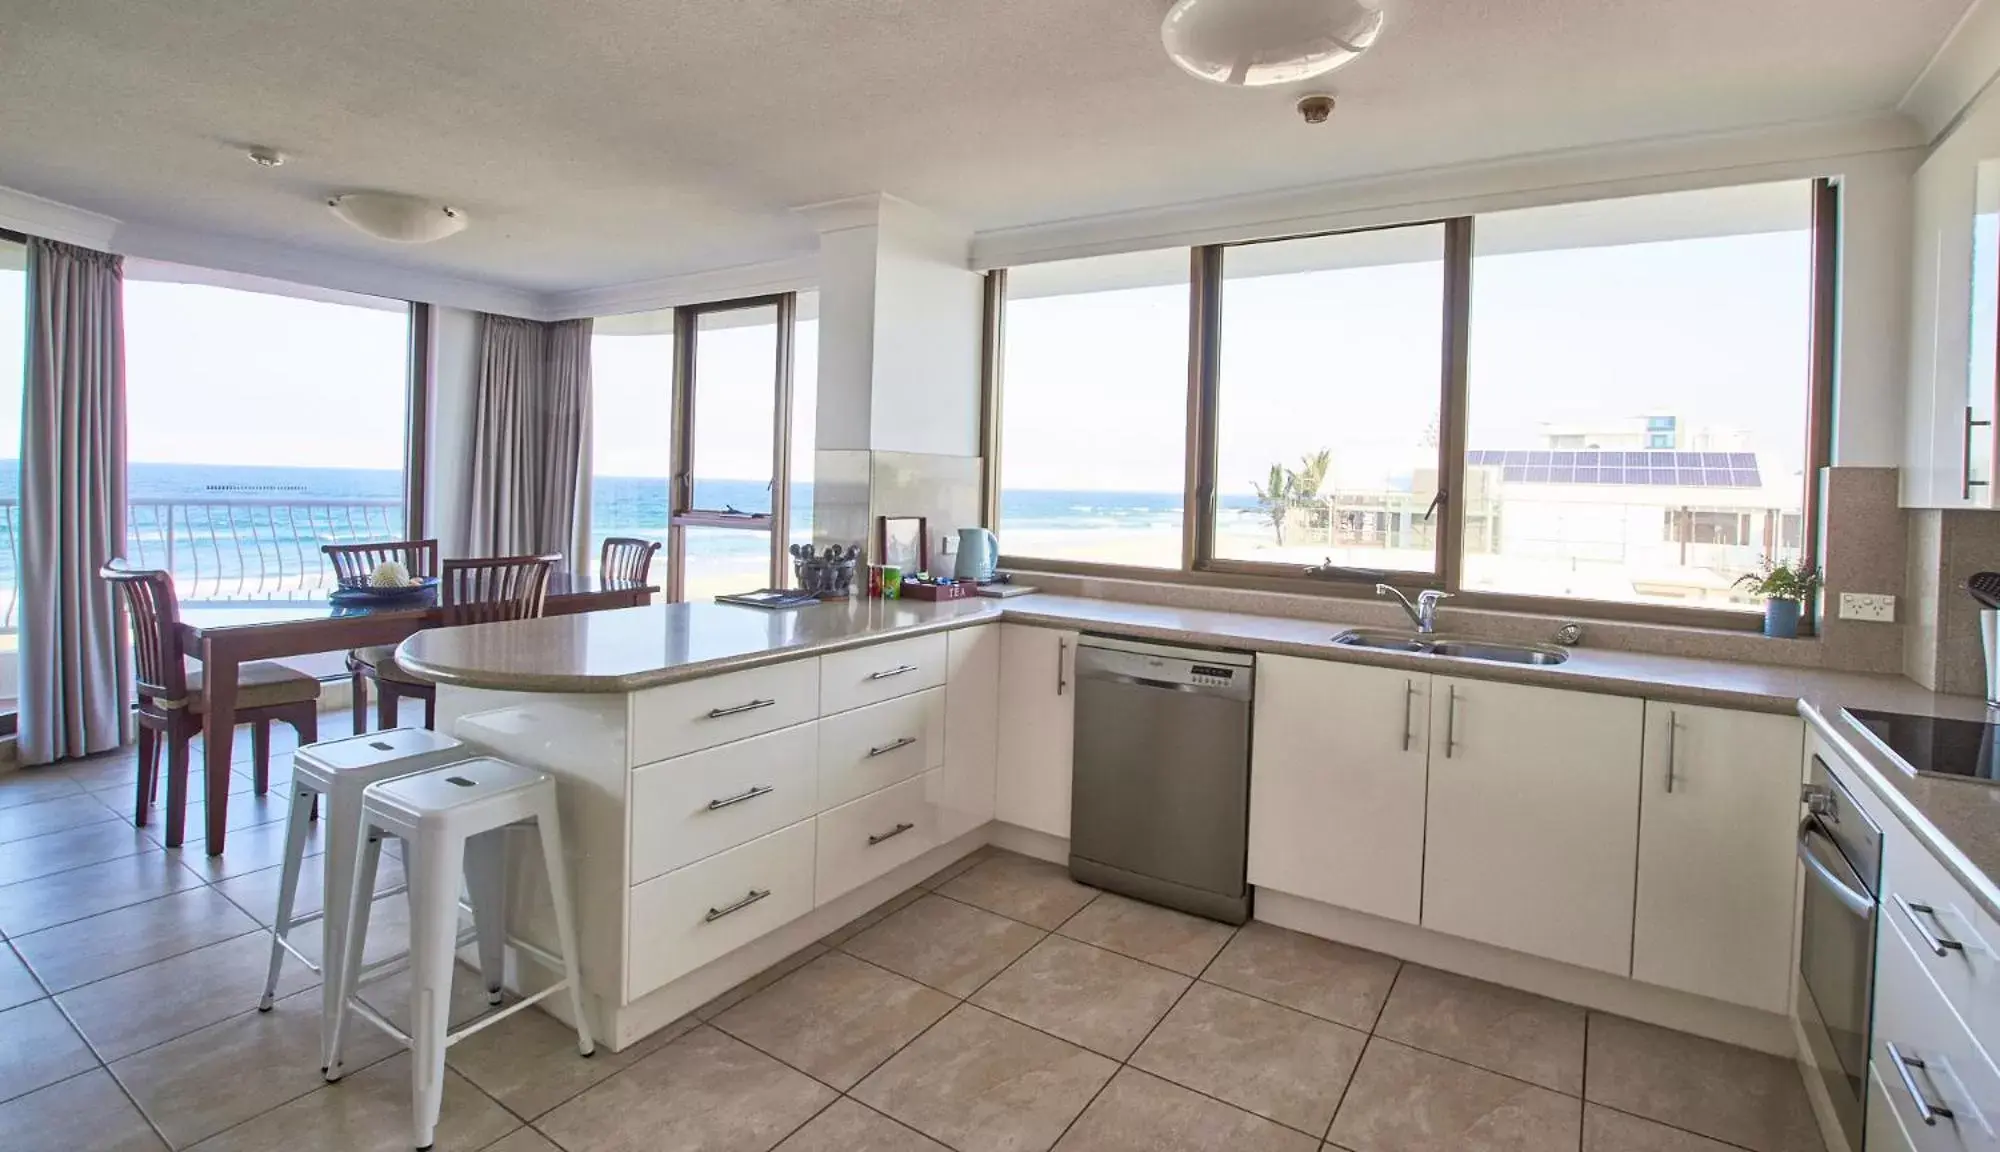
225 637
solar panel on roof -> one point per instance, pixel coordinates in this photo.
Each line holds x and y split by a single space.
1743 460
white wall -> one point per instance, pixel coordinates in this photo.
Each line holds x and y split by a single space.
454 387
927 345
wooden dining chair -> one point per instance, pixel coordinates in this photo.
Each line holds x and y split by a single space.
626 560
482 591
353 563
169 706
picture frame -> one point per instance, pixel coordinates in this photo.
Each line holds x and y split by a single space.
903 542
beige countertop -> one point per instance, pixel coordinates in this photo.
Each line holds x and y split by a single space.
633 648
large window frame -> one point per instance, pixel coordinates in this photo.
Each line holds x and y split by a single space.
1201 566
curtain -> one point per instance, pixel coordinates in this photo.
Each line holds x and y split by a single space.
529 420
75 682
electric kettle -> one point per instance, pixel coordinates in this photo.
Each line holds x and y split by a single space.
978 552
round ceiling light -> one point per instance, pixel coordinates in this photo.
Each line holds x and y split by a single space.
1254 43
394 216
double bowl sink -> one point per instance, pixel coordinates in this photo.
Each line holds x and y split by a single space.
1431 644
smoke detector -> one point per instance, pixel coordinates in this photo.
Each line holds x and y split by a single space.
1315 107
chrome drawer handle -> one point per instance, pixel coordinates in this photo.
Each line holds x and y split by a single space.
1926 1111
755 895
1941 945
891 834
885 749
740 797
719 713
896 671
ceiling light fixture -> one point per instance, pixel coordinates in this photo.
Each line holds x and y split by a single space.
1255 43
266 157
394 216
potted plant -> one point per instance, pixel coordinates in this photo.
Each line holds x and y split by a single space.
1784 588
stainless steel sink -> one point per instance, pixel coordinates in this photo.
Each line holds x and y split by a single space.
1452 646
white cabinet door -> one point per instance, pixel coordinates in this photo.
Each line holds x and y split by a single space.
1718 818
971 728
1337 781
1037 723
1533 823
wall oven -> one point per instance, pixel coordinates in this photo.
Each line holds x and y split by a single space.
1841 850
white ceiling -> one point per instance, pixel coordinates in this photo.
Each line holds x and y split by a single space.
598 142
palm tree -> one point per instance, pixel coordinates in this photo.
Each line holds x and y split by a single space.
1275 497
1311 473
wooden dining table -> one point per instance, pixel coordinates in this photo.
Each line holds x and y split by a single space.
224 639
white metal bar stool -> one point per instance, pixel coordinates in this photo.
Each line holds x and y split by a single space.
332 774
453 822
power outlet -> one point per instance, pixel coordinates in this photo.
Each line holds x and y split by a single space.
1868 606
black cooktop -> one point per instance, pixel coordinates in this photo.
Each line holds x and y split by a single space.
1932 744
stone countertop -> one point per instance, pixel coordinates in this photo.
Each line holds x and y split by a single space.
633 648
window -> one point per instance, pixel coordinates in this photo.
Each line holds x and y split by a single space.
631 426
1328 400
13 358
1093 422
805 410
1637 394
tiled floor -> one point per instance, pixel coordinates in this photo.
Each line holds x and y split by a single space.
997 1006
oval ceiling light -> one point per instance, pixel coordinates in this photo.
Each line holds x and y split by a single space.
394 216
1254 43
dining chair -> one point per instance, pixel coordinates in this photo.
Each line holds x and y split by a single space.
170 701
482 591
354 563
626 560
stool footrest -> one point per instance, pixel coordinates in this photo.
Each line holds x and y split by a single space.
362 1009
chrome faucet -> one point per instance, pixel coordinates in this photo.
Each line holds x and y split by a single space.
1424 612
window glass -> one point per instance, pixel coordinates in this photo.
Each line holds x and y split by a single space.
1093 425
1327 410
1637 391
631 436
724 560
735 402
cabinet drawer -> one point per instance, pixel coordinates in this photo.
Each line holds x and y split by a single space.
692 915
676 719
1919 897
864 838
880 672
696 805
1926 1058
871 748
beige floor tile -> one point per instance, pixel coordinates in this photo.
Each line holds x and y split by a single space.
30 785
947 945
956 868
871 917
760 981
108 943
17 984
982 1083
1403 1100
207 1081
82 1112
257 892
1732 1094
245 811
38 1048
369 1111
1101 1000
1031 891
1608 1131
159 1002
705 1091
118 793
1499 1029
1141 1113
1332 981
244 849
37 856
529 1061
68 896
103 771
850 1127
524 1140
1281 1064
1161 936
390 996
836 1019
54 815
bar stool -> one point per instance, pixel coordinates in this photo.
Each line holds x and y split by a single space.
453 822
332 774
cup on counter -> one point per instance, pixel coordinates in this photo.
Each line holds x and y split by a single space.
892 582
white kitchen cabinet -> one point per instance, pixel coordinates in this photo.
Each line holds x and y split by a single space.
1337 784
1533 820
1718 818
971 729
1037 724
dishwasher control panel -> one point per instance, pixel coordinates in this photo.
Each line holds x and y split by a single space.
1212 675
1161 666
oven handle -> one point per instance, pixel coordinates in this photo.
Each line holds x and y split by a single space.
1858 903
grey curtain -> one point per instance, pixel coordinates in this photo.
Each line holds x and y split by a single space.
75 682
530 419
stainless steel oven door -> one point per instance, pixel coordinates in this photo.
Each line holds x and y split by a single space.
1837 972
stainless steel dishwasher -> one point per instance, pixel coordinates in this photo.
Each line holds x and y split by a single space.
1160 800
